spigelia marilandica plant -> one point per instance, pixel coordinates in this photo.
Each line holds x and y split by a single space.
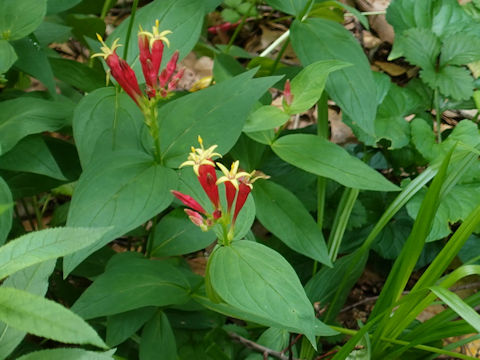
238 185
159 85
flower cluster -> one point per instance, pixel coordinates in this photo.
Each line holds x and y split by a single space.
151 46
238 185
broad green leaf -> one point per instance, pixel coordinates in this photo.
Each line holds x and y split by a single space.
217 113
175 234
458 305
31 154
308 85
123 190
158 338
265 118
68 354
465 132
353 87
6 210
183 17
252 277
292 7
452 81
460 49
20 18
33 279
286 217
9 56
121 326
39 316
57 6
406 14
131 282
225 67
454 207
49 32
39 246
32 59
25 116
105 122
265 137
77 74
321 157
190 185
420 47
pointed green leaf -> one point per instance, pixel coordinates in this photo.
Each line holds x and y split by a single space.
265 118
131 282
321 157
45 318
122 190
284 215
39 246
31 154
458 305
24 116
20 18
217 113
121 326
353 87
104 122
158 338
308 85
292 7
252 277
33 279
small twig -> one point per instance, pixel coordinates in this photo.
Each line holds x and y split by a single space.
373 298
259 348
293 342
326 354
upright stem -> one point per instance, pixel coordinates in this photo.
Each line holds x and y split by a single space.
38 214
438 115
151 238
129 30
238 28
323 132
106 6
279 56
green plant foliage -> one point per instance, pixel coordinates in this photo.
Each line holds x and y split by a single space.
217 114
235 273
288 6
177 235
25 116
20 18
39 246
420 47
68 354
9 56
121 326
265 118
33 279
6 212
27 312
452 81
158 338
136 185
131 282
31 154
460 49
285 216
353 87
321 157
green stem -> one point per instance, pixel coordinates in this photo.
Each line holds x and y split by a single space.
323 131
38 214
129 29
342 216
438 115
238 28
406 343
151 238
279 56
306 351
106 6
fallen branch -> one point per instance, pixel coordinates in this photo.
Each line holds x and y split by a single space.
260 348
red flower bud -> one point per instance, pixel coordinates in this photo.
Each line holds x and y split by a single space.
189 201
208 178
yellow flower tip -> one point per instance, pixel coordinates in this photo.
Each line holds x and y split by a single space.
105 50
157 23
200 141
99 37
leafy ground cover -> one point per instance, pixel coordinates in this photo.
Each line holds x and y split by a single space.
239 179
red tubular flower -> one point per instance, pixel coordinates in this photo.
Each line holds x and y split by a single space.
243 191
150 61
230 192
208 178
287 93
187 200
167 73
